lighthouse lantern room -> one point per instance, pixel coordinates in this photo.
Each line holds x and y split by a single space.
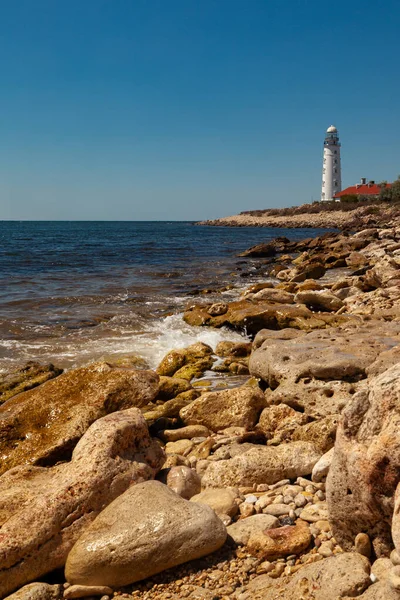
331 169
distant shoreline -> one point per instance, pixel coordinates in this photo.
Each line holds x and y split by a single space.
305 216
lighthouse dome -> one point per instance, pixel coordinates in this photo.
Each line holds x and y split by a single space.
331 129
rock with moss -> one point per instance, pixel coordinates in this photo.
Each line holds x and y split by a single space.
26 378
187 363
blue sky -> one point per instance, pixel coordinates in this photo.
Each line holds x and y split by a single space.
190 109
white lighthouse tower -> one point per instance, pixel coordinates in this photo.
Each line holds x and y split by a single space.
331 170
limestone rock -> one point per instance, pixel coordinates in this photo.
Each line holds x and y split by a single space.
337 577
185 433
170 387
321 433
26 378
263 464
222 500
280 420
87 591
155 529
319 300
176 360
229 408
43 511
43 425
280 541
274 295
38 591
364 474
241 531
260 251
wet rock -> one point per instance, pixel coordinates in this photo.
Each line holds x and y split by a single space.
170 387
260 251
280 541
241 531
237 349
43 511
261 464
274 295
219 308
229 408
171 408
223 501
313 270
364 474
251 316
156 530
42 426
26 378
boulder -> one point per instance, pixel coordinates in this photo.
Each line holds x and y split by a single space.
241 531
26 378
43 425
263 464
333 354
365 471
239 407
146 530
280 541
337 577
170 387
274 295
43 511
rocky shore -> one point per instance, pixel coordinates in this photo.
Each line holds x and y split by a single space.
357 219
278 479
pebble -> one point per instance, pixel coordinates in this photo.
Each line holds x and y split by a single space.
276 510
395 557
363 545
251 499
394 578
279 484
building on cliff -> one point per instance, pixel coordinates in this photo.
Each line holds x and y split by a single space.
370 189
331 168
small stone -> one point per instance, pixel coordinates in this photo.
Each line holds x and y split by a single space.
246 510
85 591
363 544
251 499
325 549
300 500
276 510
279 484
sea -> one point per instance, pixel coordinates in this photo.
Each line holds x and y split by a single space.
75 292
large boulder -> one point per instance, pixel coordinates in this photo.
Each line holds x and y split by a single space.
365 470
237 407
42 426
43 511
333 354
146 530
331 579
263 464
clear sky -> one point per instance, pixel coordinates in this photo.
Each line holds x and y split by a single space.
190 109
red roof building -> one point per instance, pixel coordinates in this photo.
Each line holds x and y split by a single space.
362 189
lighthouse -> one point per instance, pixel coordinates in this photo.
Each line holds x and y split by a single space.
331 169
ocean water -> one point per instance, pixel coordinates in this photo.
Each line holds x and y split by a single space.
74 292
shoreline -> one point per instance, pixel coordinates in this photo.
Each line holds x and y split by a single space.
358 219
248 460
